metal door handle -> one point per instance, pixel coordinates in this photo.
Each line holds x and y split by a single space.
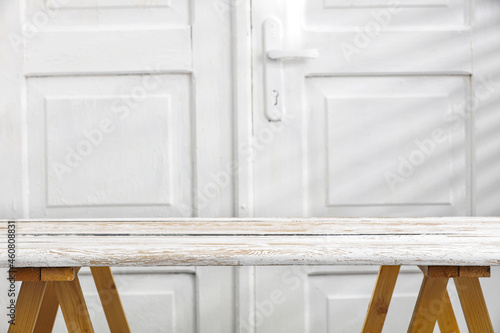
289 54
274 93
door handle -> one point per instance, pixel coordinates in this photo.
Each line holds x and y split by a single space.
273 73
289 54
274 94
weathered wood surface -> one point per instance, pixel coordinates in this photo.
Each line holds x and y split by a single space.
284 241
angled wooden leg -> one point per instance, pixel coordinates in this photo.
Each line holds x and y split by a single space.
381 298
108 293
48 310
429 304
446 320
28 305
473 305
74 309
50 303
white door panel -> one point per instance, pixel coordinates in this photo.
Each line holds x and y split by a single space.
110 140
125 13
104 147
321 14
96 137
382 146
146 89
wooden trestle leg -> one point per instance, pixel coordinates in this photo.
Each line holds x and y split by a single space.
117 321
381 298
44 289
433 302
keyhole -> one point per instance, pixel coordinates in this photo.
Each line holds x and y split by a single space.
276 94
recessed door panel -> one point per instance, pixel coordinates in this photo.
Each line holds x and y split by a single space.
386 145
385 14
98 131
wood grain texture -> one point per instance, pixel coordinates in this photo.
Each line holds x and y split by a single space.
473 305
110 299
428 306
440 271
74 309
26 273
28 306
48 311
58 273
446 319
381 298
475 271
456 271
272 241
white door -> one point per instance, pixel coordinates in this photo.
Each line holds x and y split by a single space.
121 109
368 108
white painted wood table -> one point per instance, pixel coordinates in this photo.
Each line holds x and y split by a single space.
50 252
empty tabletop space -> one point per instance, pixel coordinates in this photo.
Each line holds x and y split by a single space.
263 241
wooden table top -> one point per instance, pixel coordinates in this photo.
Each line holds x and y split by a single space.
473 241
